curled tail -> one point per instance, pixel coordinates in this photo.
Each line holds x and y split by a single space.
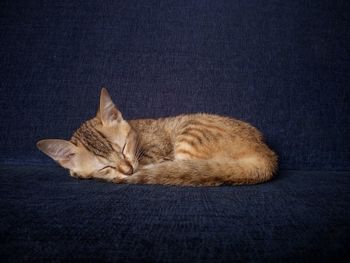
213 172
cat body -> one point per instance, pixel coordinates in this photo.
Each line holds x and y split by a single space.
192 150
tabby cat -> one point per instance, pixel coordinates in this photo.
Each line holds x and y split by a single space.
188 150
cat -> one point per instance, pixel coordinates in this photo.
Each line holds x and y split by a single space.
187 150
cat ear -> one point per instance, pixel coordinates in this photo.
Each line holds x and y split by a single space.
98 114
61 151
108 112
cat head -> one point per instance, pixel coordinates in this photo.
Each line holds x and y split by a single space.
103 147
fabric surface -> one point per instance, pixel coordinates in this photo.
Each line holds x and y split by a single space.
281 65
49 216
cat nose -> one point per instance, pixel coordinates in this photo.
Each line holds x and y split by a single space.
125 167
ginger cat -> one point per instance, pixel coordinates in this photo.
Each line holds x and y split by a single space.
188 150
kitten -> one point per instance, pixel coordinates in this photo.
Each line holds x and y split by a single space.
193 150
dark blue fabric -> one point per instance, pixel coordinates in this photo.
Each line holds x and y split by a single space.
281 65
48 216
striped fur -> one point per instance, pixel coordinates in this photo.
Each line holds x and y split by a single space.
193 150
92 139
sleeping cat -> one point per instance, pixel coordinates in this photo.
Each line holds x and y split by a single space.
189 150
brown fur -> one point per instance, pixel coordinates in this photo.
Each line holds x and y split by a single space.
194 150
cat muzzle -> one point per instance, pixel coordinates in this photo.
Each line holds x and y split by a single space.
125 168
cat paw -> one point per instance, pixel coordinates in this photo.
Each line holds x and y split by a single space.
119 180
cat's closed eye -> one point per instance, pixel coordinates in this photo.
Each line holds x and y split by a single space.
105 169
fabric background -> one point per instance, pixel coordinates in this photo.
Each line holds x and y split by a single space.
48 216
281 65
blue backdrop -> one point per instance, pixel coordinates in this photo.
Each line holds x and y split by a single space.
281 65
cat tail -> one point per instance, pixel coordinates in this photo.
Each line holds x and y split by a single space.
213 172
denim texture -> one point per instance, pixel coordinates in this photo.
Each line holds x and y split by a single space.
47 216
281 65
